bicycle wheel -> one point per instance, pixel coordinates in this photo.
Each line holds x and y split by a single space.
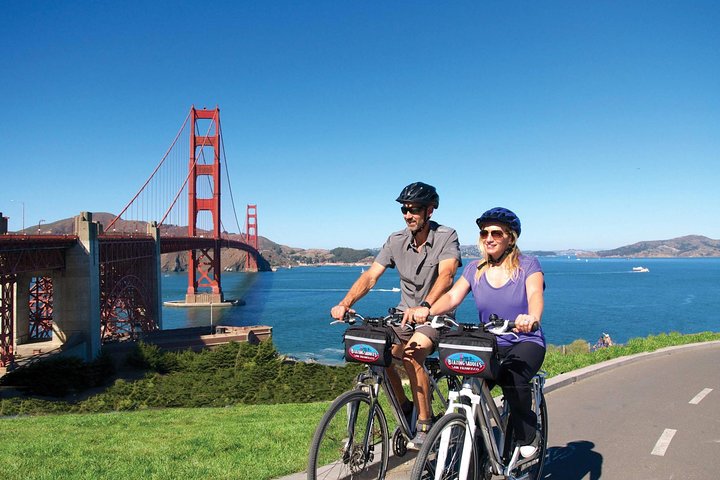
534 470
443 451
348 443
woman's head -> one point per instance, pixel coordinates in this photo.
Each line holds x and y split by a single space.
500 215
496 238
499 231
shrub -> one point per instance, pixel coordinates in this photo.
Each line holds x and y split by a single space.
146 356
57 377
577 346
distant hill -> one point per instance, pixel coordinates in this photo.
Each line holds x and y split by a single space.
283 256
687 246
230 259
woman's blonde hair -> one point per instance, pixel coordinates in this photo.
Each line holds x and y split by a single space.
511 262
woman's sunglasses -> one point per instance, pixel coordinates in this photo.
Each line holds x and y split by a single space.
496 234
412 210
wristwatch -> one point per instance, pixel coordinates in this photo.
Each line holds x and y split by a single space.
425 304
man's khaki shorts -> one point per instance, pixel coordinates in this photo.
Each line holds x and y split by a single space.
405 334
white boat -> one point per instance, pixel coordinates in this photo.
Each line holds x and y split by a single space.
640 269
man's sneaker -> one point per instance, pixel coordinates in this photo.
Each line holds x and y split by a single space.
417 441
423 426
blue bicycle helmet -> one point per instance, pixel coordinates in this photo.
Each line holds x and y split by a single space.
420 193
501 215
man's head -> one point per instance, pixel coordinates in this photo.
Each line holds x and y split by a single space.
418 202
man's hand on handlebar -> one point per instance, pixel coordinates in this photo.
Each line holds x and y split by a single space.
338 311
524 323
417 315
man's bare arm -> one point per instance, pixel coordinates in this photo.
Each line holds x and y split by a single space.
358 290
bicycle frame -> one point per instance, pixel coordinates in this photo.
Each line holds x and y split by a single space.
378 380
482 411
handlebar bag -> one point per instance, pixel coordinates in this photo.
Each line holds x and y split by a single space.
368 344
471 353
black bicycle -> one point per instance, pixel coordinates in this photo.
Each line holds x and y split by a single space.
352 439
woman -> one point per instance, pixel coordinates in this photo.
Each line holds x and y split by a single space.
509 284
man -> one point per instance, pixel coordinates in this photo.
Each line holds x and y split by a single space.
427 255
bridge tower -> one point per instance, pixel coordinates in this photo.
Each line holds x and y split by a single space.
204 264
251 233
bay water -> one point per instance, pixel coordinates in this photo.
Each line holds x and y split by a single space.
583 299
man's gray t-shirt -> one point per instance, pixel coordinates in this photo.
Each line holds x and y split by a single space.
418 269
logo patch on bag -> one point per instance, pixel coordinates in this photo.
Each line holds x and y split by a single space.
363 352
465 363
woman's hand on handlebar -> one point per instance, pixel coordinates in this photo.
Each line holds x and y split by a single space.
417 315
338 311
524 323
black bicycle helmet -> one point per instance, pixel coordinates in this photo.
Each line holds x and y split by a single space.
501 215
421 193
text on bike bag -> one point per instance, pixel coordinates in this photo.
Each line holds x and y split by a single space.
368 344
469 353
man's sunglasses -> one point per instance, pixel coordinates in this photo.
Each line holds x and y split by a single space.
496 234
412 210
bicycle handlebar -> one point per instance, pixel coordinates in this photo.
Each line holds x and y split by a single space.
393 318
496 325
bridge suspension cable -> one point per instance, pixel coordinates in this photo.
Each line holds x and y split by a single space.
151 199
161 200
229 184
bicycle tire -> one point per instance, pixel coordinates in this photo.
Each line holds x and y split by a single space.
426 461
534 471
331 457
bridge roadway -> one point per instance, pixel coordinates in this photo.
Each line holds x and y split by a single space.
649 416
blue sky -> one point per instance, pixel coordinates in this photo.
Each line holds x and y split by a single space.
598 123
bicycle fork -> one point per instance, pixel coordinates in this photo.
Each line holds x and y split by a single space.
456 404
352 415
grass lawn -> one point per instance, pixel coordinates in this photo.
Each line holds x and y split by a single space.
242 442
254 442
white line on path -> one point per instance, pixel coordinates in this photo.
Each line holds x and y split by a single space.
698 398
663 442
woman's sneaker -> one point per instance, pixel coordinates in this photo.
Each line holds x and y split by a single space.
531 449
528 451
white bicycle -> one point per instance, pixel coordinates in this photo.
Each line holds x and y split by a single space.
473 440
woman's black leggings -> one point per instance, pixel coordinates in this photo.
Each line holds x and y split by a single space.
521 361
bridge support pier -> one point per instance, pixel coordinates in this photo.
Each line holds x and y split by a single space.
154 232
77 294
22 308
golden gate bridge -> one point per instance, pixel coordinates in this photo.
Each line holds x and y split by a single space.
102 283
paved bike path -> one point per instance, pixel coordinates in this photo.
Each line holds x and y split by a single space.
577 458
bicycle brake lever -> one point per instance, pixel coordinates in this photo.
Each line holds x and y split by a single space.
500 329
